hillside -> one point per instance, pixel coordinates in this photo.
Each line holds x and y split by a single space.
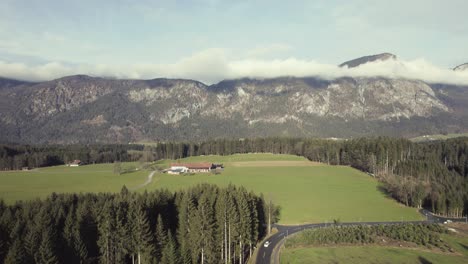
84 109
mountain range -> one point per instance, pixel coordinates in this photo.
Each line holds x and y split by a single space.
84 109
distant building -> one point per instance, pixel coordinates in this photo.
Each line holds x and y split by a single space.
25 169
178 168
75 163
176 171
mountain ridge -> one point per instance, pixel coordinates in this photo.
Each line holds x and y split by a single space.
79 109
87 109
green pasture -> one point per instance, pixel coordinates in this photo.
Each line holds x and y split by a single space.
236 158
39 183
306 192
378 254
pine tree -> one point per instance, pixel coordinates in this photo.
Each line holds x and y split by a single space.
140 235
76 246
161 238
183 232
244 223
31 242
2 248
122 229
203 230
106 228
16 253
232 223
221 220
170 253
47 253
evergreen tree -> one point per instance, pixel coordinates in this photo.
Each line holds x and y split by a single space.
161 238
106 228
169 253
202 235
16 254
140 235
47 254
31 245
183 232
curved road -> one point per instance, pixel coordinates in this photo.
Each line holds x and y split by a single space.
270 254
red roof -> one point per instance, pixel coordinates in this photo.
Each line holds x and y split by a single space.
201 165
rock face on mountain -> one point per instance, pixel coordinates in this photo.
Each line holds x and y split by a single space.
86 109
367 59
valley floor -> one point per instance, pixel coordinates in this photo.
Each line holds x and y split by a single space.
307 192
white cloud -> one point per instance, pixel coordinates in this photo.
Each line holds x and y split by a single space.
214 65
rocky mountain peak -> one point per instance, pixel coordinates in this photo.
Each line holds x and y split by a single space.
367 59
462 67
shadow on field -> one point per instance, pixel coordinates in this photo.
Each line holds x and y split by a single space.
384 191
423 260
464 246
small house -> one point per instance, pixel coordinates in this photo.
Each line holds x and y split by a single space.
75 163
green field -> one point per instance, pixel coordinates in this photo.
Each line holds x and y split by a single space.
378 254
26 185
306 191
238 158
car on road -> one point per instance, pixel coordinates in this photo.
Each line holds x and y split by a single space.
266 244
448 221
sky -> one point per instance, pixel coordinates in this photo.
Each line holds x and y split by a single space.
212 40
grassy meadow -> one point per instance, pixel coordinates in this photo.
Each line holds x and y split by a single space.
39 183
306 191
379 254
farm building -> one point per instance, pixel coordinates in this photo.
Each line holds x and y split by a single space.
75 163
178 168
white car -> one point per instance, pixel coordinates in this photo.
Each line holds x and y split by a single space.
266 244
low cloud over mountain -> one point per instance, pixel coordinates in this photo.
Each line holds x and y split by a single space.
213 65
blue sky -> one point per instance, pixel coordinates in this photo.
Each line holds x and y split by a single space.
42 39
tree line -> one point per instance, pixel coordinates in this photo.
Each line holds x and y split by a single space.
16 157
203 224
426 174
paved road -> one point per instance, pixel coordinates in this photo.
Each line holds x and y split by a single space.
439 219
268 254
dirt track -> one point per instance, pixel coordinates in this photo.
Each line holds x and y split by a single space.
148 181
